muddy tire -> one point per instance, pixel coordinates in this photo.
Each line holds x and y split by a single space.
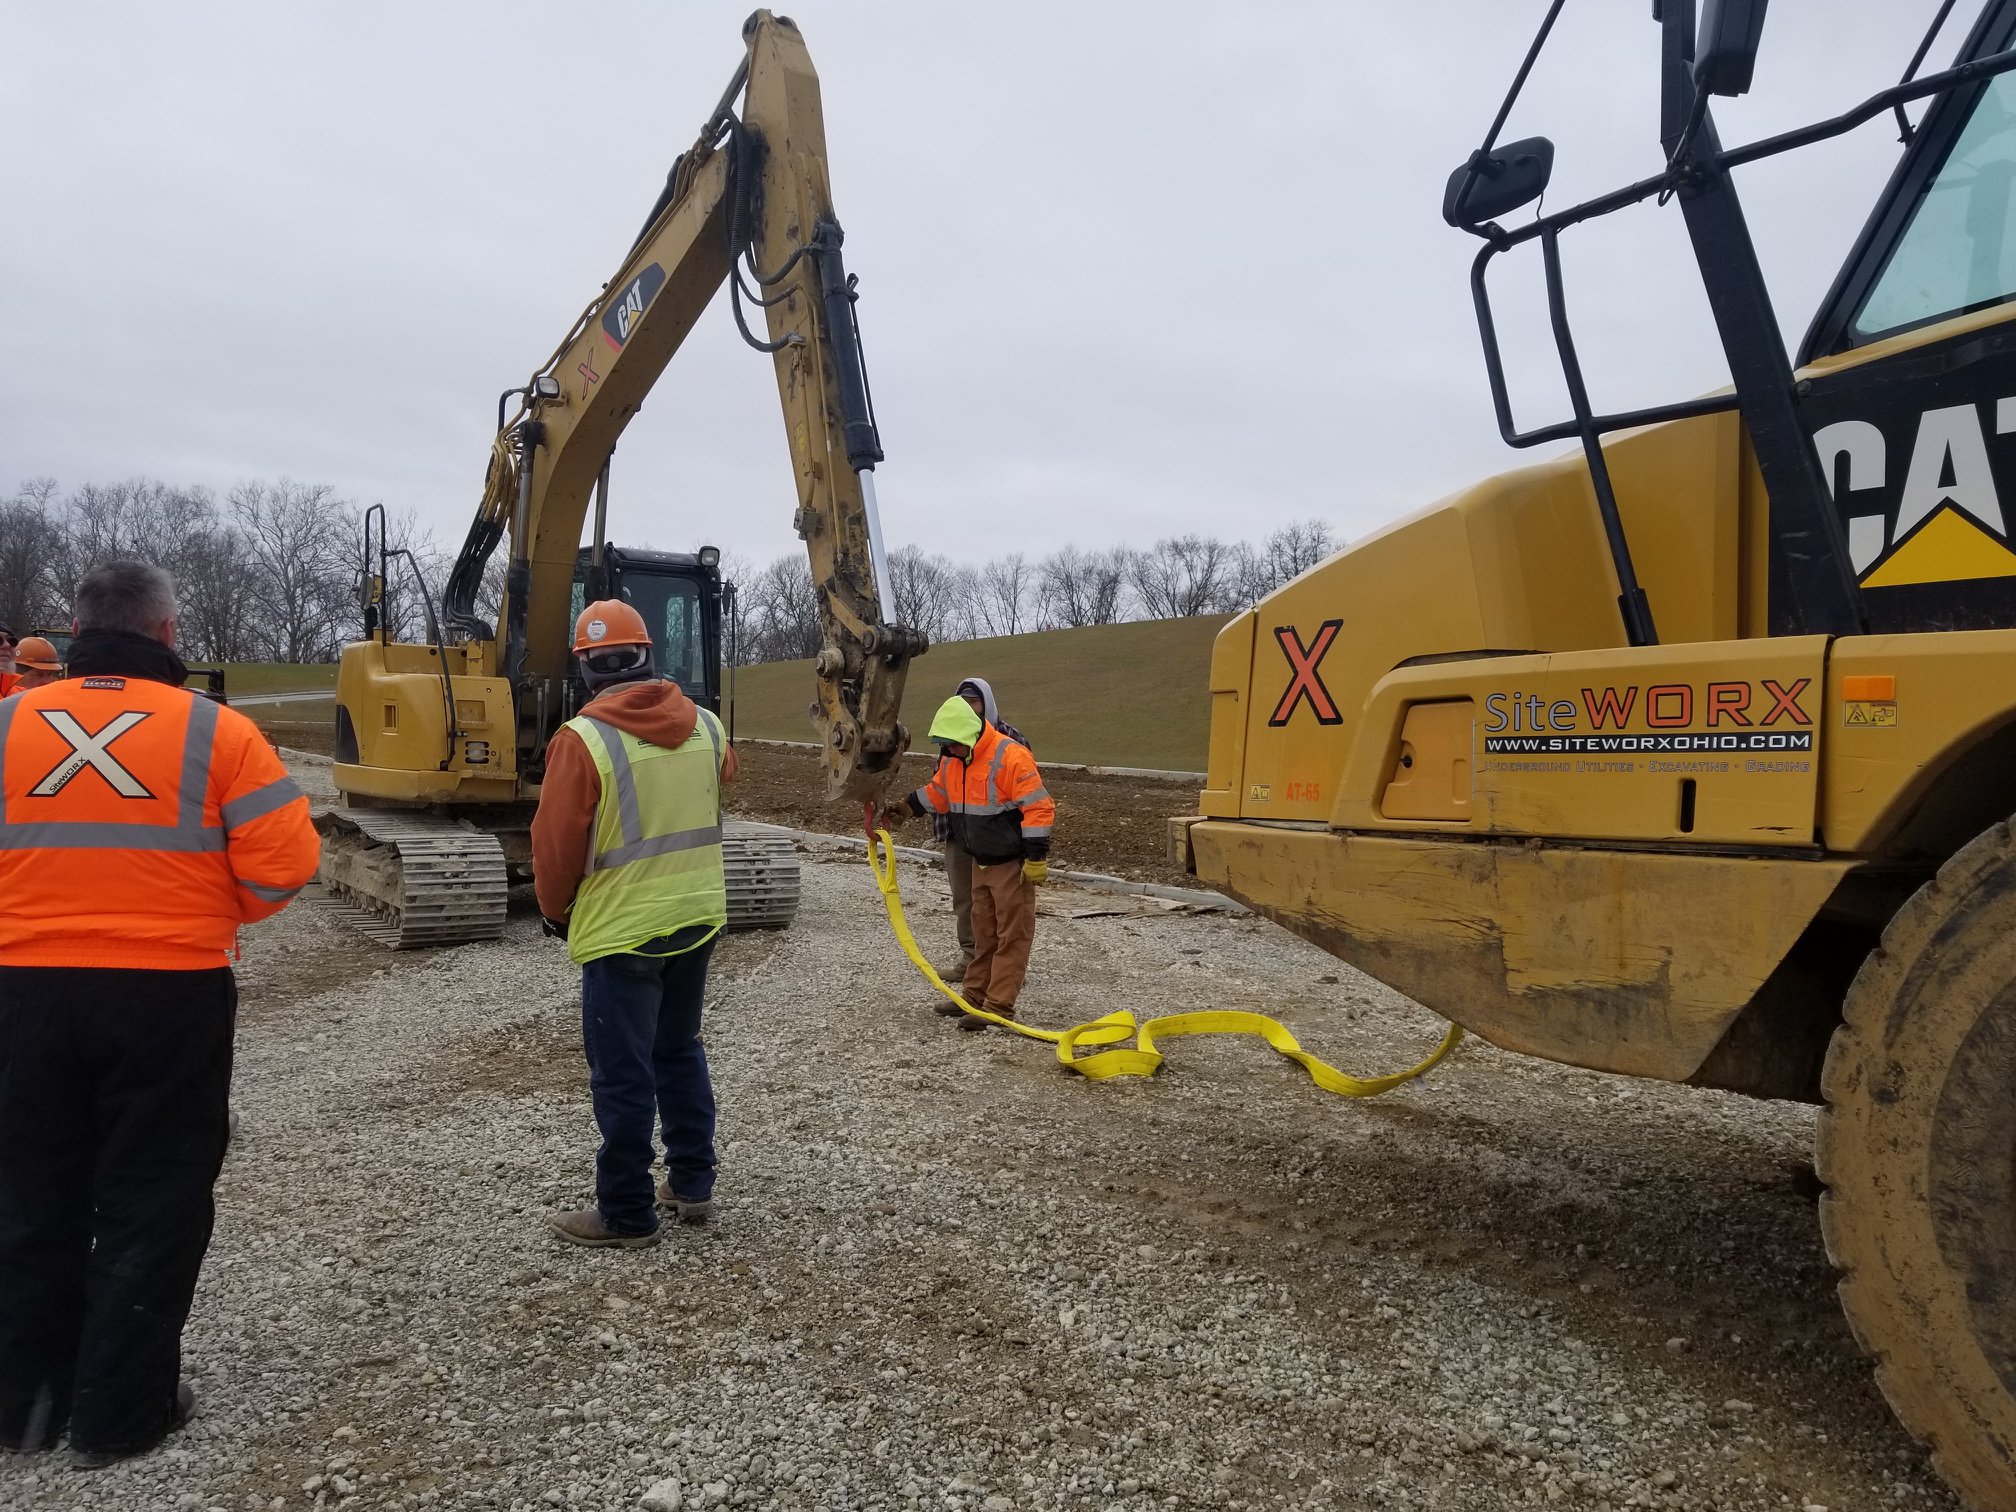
1918 1150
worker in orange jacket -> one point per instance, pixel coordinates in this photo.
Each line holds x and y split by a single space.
36 664
990 792
140 826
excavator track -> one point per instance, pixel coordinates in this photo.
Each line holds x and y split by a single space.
413 879
762 877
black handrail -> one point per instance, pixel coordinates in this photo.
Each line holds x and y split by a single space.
1498 239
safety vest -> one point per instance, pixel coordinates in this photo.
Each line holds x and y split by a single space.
140 825
655 867
994 802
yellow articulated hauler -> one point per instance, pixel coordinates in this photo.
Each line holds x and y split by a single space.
440 745
1698 759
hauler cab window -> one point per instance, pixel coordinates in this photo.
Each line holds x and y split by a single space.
1959 251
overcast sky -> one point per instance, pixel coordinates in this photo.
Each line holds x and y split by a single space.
1126 269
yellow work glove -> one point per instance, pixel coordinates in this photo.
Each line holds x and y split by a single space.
1036 873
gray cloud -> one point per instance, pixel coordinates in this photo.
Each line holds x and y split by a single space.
1126 269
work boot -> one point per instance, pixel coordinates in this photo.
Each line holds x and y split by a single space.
686 1210
98 1459
975 1025
585 1227
952 975
951 1009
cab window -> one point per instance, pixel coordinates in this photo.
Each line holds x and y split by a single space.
1958 253
671 610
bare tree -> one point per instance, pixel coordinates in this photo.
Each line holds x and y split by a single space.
1287 554
931 594
782 610
1078 587
412 586
300 540
737 575
1004 600
221 613
1185 575
32 595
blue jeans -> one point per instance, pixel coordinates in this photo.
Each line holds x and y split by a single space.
640 1024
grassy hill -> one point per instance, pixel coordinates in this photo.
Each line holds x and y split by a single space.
1112 695
274 677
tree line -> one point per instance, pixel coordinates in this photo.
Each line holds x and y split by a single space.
777 616
272 571
268 571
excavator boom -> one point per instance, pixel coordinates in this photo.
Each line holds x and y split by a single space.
752 190
440 745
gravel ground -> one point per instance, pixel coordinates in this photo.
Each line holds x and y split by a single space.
947 1274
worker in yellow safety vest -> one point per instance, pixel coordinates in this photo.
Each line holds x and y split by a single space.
626 856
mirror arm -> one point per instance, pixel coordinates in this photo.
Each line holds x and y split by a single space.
1481 155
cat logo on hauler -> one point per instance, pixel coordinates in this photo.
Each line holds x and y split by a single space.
92 750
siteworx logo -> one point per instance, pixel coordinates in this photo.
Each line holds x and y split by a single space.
1765 715
90 749
1305 677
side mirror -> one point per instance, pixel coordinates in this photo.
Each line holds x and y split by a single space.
1726 54
1499 182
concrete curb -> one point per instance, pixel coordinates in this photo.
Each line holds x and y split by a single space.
306 758
1151 774
1091 881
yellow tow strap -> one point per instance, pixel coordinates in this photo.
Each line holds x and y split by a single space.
1140 1058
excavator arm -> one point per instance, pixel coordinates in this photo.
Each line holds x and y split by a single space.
749 205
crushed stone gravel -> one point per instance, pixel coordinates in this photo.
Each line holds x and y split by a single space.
948 1274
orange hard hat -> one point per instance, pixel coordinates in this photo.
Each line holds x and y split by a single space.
608 623
36 653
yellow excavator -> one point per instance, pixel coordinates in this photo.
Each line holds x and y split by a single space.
440 744
1698 761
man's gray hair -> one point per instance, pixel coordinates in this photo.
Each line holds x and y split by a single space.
125 595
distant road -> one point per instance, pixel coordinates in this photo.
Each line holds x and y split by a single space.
273 698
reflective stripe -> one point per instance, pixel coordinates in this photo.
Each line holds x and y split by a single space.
267 894
8 707
981 809
626 780
1001 744
1035 832
259 802
187 834
1041 792
84 834
657 845
197 741
714 739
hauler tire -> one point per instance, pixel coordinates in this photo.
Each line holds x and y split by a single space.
1917 1148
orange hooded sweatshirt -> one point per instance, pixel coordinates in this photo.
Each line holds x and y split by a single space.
563 831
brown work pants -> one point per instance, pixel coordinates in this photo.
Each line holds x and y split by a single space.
1004 929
